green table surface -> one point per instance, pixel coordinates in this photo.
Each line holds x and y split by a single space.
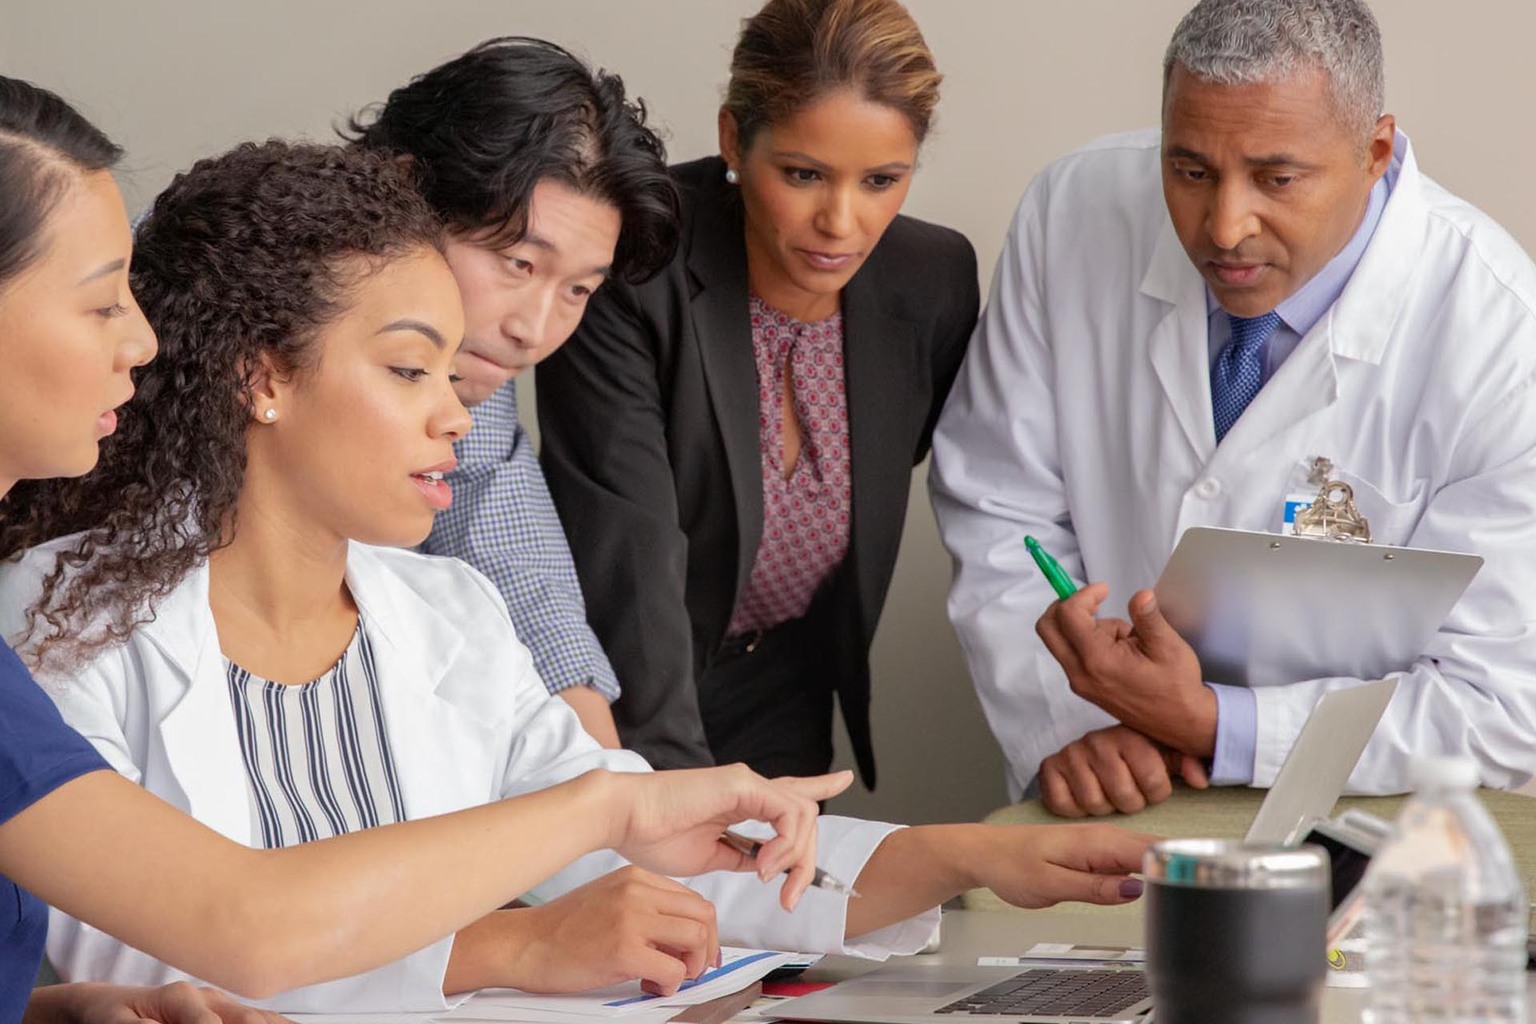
1225 812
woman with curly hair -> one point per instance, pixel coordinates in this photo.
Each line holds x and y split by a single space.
113 854
242 634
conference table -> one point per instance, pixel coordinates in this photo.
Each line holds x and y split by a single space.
985 926
988 927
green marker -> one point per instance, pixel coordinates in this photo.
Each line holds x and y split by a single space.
1059 580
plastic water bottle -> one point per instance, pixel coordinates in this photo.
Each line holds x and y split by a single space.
1445 912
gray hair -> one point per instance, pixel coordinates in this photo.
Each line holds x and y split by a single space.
1241 42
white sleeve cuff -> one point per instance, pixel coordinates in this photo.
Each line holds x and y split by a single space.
749 913
413 984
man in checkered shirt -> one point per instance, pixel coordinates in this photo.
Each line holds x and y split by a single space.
550 182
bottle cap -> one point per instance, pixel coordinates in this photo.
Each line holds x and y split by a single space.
1451 771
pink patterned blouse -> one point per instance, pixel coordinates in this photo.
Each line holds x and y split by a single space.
806 518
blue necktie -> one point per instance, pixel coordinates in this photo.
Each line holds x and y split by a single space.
1239 370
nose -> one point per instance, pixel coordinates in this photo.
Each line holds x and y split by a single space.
835 216
534 318
139 344
450 420
1231 218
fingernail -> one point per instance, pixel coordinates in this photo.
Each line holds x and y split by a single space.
1130 888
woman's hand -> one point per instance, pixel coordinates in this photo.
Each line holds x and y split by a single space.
671 821
916 869
178 1003
1040 865
627 924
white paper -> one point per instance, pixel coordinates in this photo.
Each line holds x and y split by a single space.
738 969
1048 952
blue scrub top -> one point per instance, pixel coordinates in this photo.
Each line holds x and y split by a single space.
38 754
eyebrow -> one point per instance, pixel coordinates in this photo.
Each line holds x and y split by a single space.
424 329
1270 160
793 154
545 245
105 270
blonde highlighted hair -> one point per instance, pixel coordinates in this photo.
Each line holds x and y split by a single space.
793 53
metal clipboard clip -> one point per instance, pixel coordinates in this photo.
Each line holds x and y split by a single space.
1333 516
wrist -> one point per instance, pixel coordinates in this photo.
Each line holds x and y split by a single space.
490 953
599 808
972 849
956 857
1200 736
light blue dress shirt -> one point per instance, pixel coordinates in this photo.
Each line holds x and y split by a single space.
503 522
1236 709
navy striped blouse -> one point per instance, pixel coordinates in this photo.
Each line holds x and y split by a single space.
317 758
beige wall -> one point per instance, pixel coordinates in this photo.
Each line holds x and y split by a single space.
1026 81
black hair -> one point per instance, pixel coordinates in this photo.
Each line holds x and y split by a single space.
485 128
44 143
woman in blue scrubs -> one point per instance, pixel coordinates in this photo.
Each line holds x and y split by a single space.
77 835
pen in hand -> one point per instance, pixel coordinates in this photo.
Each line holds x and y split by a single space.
750 847
1059 580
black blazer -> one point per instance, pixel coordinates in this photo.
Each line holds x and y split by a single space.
650 442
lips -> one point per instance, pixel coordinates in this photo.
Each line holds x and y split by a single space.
827 261
493 364
1237 275
484 369
106 423
430 482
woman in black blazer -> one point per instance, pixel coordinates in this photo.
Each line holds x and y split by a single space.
779 380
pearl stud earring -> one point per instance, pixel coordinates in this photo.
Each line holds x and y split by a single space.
731 177
269 415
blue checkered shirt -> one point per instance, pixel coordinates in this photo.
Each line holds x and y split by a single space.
504 523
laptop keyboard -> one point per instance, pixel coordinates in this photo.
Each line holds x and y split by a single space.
1057 992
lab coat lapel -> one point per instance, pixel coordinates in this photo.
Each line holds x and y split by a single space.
439 751
1306 384
198 734
1362 320
1178 345
717 260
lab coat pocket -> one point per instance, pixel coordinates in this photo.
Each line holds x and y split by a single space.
1392 520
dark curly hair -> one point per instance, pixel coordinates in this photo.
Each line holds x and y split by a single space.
485 128
247 255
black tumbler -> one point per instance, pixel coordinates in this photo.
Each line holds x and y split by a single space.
1235 932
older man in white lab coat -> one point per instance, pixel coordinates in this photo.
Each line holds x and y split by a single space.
1181 322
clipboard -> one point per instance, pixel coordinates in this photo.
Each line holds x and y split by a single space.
1264 609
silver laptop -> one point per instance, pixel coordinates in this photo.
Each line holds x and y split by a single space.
1104 992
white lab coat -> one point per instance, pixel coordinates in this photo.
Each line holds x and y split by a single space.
468 722
1082 416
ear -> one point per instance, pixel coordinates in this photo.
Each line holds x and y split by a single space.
1378 153
730 139
268 390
